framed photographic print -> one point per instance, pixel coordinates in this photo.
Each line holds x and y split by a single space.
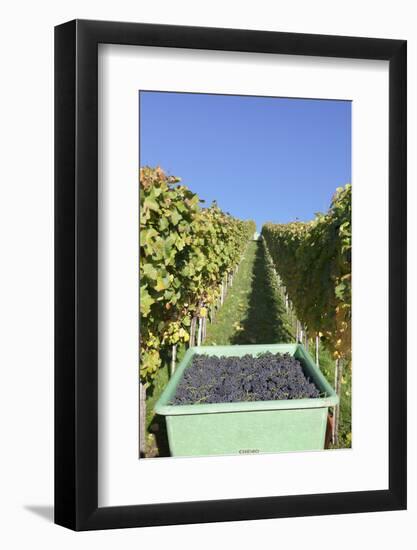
230 234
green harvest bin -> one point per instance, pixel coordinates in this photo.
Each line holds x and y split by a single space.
247 427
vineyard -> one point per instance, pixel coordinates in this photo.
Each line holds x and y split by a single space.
188 257
204 279
313 262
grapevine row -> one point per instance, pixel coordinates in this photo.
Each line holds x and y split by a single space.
186 253
313 260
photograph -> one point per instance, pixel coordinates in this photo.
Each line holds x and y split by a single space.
245 274
206 257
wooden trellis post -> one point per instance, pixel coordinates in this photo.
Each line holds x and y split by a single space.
192 331
204 329
297 332
199 332
338 386
142 419
173 358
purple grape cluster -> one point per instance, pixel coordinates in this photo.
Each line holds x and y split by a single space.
267 377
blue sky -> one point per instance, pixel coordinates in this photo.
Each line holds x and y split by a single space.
267 159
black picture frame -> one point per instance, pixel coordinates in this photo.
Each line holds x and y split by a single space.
76 272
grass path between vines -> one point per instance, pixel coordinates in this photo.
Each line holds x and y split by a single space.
253 312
